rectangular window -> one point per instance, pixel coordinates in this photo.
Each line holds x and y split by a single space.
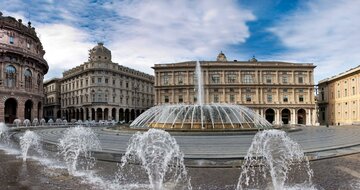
285 90
353 90
99 80
301 98
166 79
180 79
231 78
301 80
285 98
113 81
248 79
248 97
106 80
180 100
269 98
215 79
232 98
166 99
338 93
284 79
11 40
216 98
268 79
345 92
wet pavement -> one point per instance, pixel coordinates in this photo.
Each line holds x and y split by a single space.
340 173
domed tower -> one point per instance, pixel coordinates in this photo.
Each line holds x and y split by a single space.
22 69
100 53
221 57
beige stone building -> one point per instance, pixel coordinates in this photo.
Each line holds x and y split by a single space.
52 101
100 89
282 92
22 68
339 98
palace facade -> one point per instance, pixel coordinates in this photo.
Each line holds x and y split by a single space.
100 89
22 68
282 92
339 98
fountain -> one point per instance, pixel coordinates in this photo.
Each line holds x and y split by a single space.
42 122
28 140
201 116
27 122
159 154
4 133
58 122
35 122
273 152
17 122
78 141
50 122
64 122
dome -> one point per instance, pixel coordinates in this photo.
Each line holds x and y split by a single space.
99 53
253 59
221 57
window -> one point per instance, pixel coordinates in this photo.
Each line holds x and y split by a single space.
285 90
338 93
232 98
345 92
99 80
216 98
284 79
93 80
231 78
28 80
301 98
106 80
285 98
268 79
28 45
301 80
11 40
180 78
10 80
248 79
166 99
248 97
166 79
353 90
215 78
113 81
180 100
269 98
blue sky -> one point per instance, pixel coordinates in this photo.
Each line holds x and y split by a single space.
143 33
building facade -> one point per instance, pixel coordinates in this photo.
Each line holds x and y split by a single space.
100 89
52 100
339 98
281 92
22 68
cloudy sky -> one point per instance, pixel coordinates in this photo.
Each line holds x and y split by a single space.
141 33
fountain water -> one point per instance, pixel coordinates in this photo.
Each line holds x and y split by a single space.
35 122
200 115
27 122
58 122
28 140
4 133
50 122
64 122
78 141
42 122
159 155
272 152
17 122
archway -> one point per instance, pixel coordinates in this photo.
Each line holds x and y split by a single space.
81 114
132 115
121 115
28 109
99 114
285 116
58 114
106 114
113 114
137 113
301 116
92 114
127 116
10 110
270 115
39 110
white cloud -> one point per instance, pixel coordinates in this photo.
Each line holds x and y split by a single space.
323 32
167 31
66 46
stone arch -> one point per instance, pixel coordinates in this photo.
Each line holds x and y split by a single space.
121 114
93 113
270 115
137 113
127 115
285 116
113 114
99 114
106 114
10 110
132 115
39 108
28 109
81 114
301 116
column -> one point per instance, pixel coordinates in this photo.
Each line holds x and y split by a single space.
96 119
308 117
293 116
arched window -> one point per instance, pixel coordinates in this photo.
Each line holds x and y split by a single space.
10 74
28 78
39 79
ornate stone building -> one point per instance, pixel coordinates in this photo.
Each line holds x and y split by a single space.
339 98
282 92
22 68
100 89
52 101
